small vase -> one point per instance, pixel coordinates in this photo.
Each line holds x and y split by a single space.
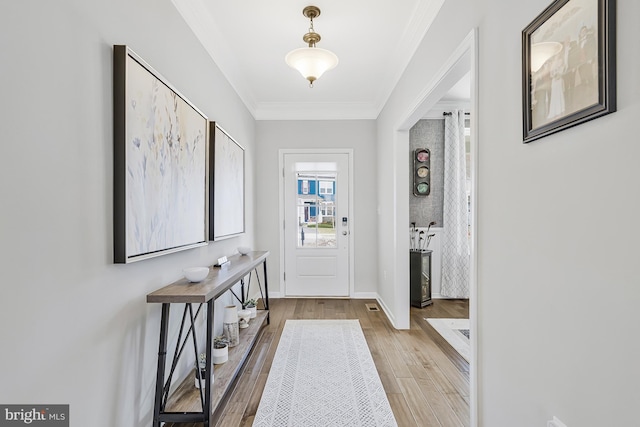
254 311
220 355
203 375
230 325
244 316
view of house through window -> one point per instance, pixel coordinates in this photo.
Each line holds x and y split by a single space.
316 209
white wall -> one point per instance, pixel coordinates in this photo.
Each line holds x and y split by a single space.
359 135
75 327
568 289
455 21
554 297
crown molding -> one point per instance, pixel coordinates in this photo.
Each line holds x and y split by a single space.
315 111
199 19
421 20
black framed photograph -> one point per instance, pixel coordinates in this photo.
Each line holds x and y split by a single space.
568 66
160 164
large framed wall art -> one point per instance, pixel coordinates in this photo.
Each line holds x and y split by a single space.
227 185
568 66
160 164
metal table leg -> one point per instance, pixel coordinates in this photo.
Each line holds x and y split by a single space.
162 355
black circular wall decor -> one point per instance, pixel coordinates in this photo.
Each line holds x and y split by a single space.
421 175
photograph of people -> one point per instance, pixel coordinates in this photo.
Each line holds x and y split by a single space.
567 49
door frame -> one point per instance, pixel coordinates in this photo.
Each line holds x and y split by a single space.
463 59
280 293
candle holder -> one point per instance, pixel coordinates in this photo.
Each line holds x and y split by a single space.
230 325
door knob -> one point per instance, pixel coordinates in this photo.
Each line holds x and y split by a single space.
344 233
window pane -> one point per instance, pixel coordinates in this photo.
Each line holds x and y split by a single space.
326 187
316 209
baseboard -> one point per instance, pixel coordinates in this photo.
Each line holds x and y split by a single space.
276 294
439 296
387 312
357 295
365 295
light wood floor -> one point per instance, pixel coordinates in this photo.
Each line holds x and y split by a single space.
426 381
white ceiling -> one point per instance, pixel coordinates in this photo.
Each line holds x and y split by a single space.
461 91
373 39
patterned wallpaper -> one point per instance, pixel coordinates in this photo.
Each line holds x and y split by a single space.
428 133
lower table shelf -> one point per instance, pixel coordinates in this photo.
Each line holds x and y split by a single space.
186 397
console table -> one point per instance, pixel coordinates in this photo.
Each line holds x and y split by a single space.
188 404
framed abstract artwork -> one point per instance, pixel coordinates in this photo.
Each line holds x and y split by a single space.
226 202
569 66
160 164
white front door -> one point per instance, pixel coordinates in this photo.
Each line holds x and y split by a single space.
316 224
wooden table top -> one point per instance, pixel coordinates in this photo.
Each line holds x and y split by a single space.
219 280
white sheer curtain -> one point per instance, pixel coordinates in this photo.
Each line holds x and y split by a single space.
455 239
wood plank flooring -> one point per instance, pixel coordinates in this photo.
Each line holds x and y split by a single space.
426 381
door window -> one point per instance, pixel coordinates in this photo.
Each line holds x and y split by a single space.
316 209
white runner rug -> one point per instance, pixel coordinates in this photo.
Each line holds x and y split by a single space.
450 329
323 375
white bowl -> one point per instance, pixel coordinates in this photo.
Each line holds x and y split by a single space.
196 274
244 250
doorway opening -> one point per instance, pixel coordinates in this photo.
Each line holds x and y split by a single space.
463 61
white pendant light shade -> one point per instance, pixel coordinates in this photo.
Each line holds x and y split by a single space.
311 62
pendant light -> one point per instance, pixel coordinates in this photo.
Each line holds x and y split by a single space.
311 61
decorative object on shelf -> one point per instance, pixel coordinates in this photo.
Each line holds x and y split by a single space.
226 184
421 175
243 250
222 262
251 305
243 318
568 66
200 371
311 61
220 351
196 274
230 325
160 164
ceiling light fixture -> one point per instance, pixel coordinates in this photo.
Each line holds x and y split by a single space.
311 61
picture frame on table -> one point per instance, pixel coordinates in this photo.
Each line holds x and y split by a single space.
568 66
160 164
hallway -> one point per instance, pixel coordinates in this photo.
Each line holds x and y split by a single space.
426 381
